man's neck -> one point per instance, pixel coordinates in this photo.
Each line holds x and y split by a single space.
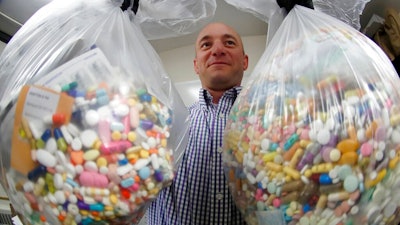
216 95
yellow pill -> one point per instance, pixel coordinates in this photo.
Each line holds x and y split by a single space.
304 143
163 142
274 166
395 120
116 135
132 155
113 199
372 182
97 144
101 161
144 154
84 212
131 102
393 162
296 157
292 172
91 155
308 173
108 208
131 136
269 157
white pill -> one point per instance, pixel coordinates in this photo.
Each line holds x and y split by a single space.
90 166
396 137
154 161
58 181
76 144
78 169
73 130
51 198
152 142
67 136
103 170
73 209
28 186
140 163
61 158
121 110
51 145
72 199
28 208
37 128
92 117
60 197
88 138
104 112
45 158
122 170
323 136
70 170
265 144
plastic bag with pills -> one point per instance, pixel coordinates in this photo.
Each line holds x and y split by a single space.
89 118
313 137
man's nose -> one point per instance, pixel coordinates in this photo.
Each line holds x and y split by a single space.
218 48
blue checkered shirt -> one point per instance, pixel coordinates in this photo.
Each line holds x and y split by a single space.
199 194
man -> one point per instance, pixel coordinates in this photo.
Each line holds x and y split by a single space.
199 194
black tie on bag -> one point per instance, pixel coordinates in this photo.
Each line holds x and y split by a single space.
125 5
289 4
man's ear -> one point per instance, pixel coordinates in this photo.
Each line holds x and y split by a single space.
245 62
196 68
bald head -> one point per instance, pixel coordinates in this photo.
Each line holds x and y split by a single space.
220 60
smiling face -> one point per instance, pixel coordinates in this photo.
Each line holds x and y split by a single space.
220 59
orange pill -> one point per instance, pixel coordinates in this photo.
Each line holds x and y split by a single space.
349 158
351 130
58 119
369 133
76 157
348 145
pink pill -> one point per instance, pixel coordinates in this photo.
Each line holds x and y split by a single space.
93 179
366 149
276 202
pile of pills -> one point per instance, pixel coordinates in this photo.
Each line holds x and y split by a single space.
105 164
328 161
322 155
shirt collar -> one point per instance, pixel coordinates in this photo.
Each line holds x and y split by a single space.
205 98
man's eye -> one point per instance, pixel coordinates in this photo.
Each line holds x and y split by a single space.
205 45
230 43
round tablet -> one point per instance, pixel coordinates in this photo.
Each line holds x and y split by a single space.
350 183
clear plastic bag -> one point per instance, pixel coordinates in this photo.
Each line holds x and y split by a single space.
313 136
92 126
347 11
160 19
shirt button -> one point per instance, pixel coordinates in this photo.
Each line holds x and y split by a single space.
219 196
220 150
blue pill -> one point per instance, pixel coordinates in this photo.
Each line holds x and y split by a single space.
325 179
144 173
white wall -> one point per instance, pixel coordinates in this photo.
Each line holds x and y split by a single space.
179 65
